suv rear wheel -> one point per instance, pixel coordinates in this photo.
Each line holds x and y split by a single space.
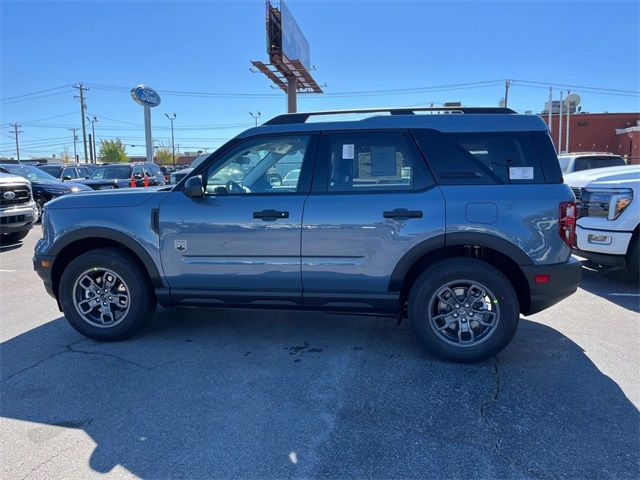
105 295
464 309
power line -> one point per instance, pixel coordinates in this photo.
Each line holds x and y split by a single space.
34 93
8 102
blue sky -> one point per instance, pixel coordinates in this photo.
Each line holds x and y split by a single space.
357 46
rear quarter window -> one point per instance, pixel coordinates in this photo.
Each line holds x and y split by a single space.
481 158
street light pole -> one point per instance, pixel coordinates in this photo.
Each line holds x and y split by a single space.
171 118
92 145
255 116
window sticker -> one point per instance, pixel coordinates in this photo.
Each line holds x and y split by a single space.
520 173
348 151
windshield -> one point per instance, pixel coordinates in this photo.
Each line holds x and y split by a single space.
28 172
111 173
199 159
54 170
587 163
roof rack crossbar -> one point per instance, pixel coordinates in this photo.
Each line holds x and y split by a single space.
302 117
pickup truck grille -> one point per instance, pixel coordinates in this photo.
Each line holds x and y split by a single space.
576 191
21 194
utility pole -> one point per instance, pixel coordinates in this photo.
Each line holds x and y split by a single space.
81 88
560 124
255 116
507 84
17 132
75 139
92 139
566 147
171 118
550 109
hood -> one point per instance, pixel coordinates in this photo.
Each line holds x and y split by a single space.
60 185
6 178
130 197
610 177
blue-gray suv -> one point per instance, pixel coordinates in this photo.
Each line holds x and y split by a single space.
458 219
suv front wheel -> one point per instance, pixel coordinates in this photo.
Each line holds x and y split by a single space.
464 309
105 295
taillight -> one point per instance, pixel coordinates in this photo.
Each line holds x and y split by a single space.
567 223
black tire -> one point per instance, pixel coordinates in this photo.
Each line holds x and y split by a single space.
11 238
422 300
39 206
142 301
633 257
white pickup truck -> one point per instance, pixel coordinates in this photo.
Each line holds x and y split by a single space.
608 215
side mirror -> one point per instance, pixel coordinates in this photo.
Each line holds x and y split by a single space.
66 177
193 187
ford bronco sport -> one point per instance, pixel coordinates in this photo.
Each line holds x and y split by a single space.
458 219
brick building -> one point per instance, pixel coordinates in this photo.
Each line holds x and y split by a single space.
617 133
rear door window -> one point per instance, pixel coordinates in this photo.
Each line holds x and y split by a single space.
373 161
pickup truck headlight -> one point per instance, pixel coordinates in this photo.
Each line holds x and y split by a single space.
604 203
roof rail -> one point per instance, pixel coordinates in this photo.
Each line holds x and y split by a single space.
304 116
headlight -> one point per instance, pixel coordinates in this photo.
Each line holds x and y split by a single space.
604 203
77 189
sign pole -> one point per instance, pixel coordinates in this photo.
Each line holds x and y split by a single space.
292 101
147 133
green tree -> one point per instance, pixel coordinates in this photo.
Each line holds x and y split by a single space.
164 155
113 151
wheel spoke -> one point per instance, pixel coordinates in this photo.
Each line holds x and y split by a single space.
119 300
90 303
451 299
108 281
465 328
88 284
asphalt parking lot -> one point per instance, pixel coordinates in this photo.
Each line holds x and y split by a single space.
249 394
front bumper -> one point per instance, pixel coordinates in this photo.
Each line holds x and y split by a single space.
563 281
18 218
607 242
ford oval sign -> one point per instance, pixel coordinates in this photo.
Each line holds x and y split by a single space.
145 96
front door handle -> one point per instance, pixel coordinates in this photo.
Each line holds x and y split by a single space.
403 213
270 214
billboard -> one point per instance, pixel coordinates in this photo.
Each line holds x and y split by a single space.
294 44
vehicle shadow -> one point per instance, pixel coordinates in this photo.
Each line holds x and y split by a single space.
615 284
246 394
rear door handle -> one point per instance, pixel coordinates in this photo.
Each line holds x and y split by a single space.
403 213
270 214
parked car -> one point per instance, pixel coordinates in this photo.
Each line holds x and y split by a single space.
118 175
44 186
462 222
576 162
17 209
608 215
67 172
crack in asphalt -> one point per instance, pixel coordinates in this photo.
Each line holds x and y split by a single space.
492 400
57 454
495 427
69 349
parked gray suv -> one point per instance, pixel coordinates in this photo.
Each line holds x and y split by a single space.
458 219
